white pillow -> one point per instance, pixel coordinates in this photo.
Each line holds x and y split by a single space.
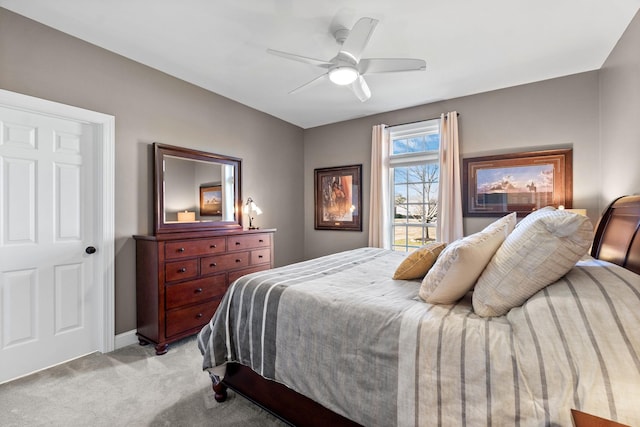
544 246
534 215
461 262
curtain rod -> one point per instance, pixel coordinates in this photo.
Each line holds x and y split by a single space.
417 121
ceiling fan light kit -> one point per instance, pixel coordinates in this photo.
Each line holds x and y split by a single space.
347 68
343 75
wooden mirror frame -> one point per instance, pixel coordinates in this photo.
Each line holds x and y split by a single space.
160 225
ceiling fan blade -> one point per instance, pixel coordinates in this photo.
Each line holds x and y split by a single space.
309 84
358 38
390 65
361 89
299 58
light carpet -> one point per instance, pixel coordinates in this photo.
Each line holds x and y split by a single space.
128 387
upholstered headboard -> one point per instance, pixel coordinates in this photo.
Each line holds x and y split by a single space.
617 237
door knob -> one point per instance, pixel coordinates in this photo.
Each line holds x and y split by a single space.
90 250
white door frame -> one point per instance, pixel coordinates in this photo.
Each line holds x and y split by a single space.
104 152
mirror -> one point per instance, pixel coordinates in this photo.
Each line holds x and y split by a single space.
195 190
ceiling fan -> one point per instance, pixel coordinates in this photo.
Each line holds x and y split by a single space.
347 68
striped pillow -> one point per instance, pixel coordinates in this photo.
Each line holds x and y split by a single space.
542 248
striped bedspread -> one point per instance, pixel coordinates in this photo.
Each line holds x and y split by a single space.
339 330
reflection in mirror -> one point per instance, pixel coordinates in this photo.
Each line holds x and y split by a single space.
203 190
195 190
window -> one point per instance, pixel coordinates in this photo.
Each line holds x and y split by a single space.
414 167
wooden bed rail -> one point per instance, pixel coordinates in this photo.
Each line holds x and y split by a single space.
281 401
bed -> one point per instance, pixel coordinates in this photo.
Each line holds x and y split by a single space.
337 341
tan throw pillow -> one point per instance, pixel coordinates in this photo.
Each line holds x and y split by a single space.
418 262
543 248
461 262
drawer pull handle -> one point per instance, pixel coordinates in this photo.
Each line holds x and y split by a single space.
199 315
182 270
237 243
213 246
238 260
180 249
259 256
199 290
261 241
213 264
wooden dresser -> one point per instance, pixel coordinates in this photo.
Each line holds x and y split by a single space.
181 278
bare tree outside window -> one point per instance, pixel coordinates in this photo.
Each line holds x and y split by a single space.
426 186
416 203
414 174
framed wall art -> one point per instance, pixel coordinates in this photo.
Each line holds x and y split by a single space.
517 182
211 200
338 198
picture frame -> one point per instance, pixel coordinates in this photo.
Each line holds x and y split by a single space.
517 182
211 200
338 198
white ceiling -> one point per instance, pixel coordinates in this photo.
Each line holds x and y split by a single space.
469 46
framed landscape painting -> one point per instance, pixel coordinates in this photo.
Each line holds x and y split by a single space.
211 200
338 196
517 182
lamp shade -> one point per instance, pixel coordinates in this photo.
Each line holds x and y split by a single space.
582 212
186 216
250 208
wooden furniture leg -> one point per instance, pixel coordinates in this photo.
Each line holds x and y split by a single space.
219 389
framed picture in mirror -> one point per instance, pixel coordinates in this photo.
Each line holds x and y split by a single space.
211 201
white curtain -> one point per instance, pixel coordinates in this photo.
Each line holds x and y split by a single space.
379 198
449 224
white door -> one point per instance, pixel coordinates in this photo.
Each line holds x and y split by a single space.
49 301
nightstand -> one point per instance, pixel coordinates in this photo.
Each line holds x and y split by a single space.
582 419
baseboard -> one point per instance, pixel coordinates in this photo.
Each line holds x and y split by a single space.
126 338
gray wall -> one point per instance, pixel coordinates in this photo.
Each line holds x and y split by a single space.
151 106
620 116
562 112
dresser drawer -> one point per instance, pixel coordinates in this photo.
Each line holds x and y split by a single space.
249 241
195 316
260 256
181 270
235 275
220 263
194 291
189 248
